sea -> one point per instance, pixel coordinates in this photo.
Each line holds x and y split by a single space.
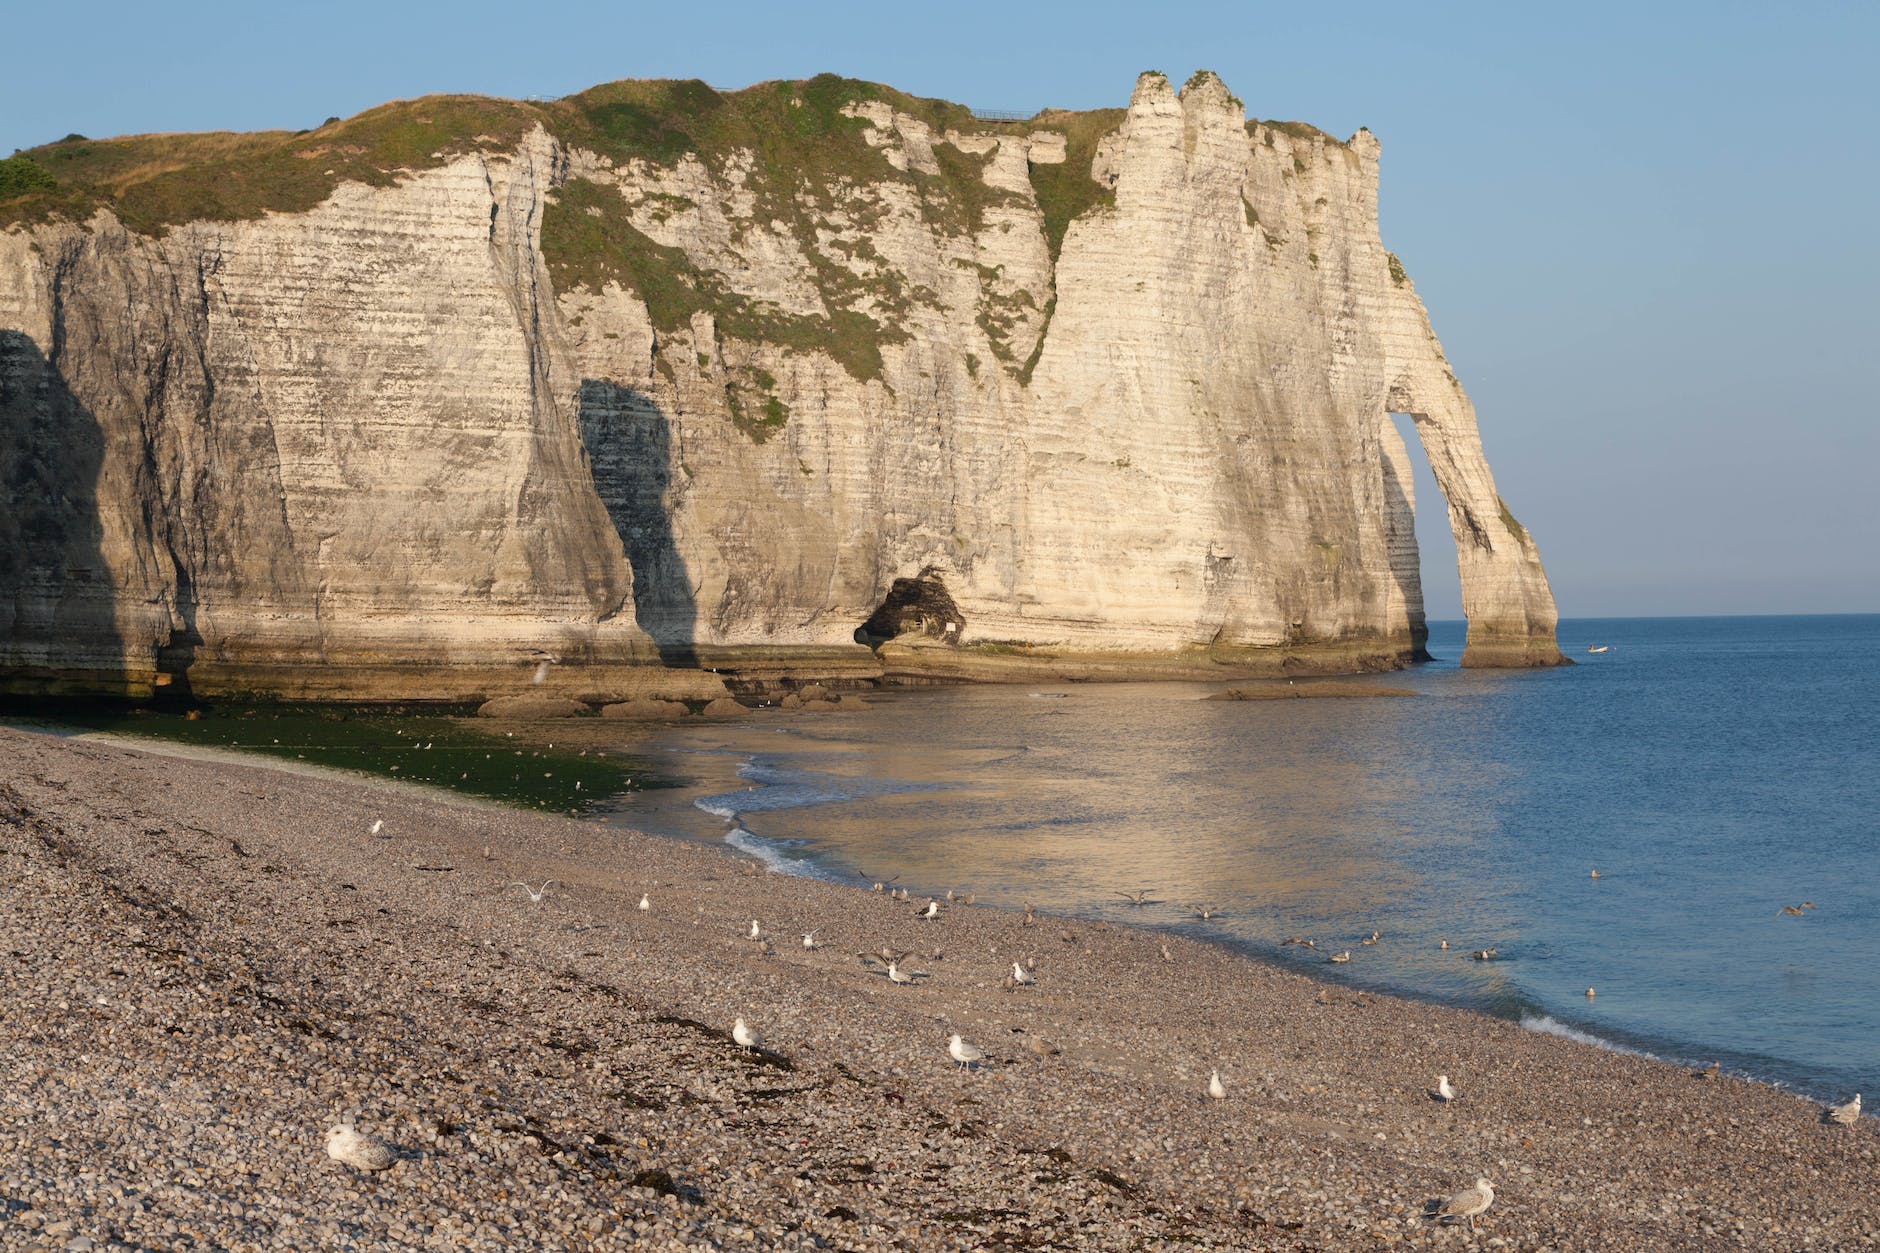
1713 771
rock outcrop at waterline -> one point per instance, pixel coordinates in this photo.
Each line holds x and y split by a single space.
655 370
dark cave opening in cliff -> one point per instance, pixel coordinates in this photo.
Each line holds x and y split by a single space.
920 605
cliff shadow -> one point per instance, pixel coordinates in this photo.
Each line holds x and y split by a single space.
629 445
58 598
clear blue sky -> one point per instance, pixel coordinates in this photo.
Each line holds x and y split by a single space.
1645 233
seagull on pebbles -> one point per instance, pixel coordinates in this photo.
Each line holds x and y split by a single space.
1216 1088
536 894
745 1037
897 975
378 826
1847 1115
809 940
962 1053
932 910
361 1152
1442 1091
645 904
1022 977
1468 1203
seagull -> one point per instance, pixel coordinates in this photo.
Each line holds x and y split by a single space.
1065 934
889 955
536 894
932 910
1442 1091
1216 1088
1590 994
746 1037
1166 955
1709 1072
1031 912
1847 1115
809 940
1467 1204
1135 898
541 673
757 932
1043 1047
1022 977
963 1053
1340 958
1444 946
1485 954
645 904
361 1152
897 975
1204 911
1595 873
1793 911
378 826
1375 936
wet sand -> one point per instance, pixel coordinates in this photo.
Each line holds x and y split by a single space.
206 964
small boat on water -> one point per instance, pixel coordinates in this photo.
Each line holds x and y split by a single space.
1599 648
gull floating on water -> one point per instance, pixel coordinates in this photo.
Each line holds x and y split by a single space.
1444 946
1442 1091
745 1036
1340 958
1590 994
1595 873
1847 1115
1373 939
1204 912
536 894
962 1053
361 1152
1485 954
1216 1088
1467 1203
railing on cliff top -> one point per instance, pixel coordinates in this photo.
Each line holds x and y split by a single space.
1000 115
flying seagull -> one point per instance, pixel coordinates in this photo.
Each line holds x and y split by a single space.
1139 898
536 894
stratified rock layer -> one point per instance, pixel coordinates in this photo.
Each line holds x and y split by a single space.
369 448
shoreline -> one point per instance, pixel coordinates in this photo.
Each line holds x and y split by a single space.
220 959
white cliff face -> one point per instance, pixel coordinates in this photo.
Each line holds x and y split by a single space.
374 437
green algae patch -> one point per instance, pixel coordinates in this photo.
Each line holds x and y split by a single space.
428 745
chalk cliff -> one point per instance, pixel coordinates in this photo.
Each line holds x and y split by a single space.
406 403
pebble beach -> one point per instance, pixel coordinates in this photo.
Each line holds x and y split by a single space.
207 964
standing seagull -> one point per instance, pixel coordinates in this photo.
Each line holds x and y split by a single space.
1216 1088
1467 1203
809 939
361 1152
964 1054
645 904
1847 1115
757 932
1022 977
932 910
746 1037
1442 1091
897 975
378 826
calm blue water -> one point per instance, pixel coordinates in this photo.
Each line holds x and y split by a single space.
1711 769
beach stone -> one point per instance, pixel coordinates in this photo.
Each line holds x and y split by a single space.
820 706
724 707
850 703
790 701
644 710
527 706
813 691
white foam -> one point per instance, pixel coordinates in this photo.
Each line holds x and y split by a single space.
1547 1025
775 854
